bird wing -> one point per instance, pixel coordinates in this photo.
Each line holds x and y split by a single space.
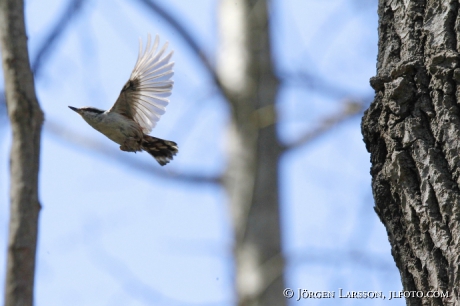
145 96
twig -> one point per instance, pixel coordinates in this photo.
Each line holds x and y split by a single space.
352 109
314 82
191 42
133 285
337 257
73 8
79 140
2 107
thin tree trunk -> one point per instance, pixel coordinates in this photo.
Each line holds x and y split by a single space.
412 131
246 74
26 120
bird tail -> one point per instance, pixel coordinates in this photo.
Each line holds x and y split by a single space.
162 150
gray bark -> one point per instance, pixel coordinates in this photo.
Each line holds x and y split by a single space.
246 74
26 120
411 130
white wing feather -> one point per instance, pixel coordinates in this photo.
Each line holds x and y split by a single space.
152 75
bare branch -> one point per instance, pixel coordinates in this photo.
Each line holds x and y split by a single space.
326 257
314 82
187 37
108 152
2 107
132 285
72 10
26 120
346 258
352 109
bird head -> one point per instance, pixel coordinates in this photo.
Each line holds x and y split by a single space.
87 112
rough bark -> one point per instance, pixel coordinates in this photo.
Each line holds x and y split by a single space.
26 120
411 130
246 73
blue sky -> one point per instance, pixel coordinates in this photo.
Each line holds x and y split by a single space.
113 235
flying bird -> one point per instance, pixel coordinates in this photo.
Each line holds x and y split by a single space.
140 105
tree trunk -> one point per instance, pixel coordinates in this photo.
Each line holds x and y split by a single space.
412 131
26 120
246 74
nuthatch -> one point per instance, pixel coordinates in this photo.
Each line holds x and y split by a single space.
139 107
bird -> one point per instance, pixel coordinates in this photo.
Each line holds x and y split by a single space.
141 103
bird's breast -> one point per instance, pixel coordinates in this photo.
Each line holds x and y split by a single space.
117 127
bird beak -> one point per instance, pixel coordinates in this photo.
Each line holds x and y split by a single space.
74 108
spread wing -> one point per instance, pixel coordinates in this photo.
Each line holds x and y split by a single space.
145 96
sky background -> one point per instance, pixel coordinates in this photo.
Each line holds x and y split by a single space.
114 234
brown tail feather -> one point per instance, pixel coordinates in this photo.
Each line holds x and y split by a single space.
162 150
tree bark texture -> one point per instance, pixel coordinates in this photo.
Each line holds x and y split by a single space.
245 71
26 120
412 131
